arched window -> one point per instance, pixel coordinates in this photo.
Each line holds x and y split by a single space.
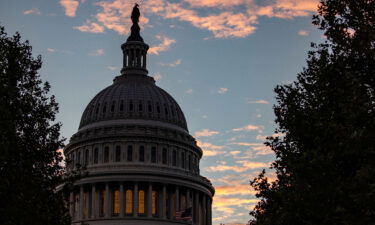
113 107
79 157
105 107
118 153
122 106
189 162
130 153
141 202
154 205
131 106
128 202
96 155
116 203
106 154
174 158
183 160
141 153
165 156
153 155
86 157
140 106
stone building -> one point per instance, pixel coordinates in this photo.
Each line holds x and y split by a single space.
142 163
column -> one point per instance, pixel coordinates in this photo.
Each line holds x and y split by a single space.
93 201
149 201
170 198
87 204
122 200
209 211
164 202
177 199
107 201
80 212
196 207
71 203
135 200
144 59
204 209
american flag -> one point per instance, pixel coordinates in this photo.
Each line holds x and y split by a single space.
184 215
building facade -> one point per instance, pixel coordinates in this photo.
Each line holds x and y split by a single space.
142 163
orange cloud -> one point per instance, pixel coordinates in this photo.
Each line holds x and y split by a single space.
90 27
246 165
70 7
249 127
234 189
303 33
286 9
260 101
34 11
210 149
205 133
163 46
214 3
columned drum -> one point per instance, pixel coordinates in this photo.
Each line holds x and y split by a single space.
142 163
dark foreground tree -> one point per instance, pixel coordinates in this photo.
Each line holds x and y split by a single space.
325 162
30 166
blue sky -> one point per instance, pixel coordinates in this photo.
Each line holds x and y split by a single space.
219 59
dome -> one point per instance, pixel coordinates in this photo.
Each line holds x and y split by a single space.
132 98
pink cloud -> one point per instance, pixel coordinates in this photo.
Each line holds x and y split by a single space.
210 149
163 46
205 133
90 27
33 11
249 127
70 7
214 3
303 33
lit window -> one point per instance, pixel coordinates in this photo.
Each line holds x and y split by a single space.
116 203
129 202
141 202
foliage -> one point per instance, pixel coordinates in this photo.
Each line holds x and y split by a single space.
30 165
325 162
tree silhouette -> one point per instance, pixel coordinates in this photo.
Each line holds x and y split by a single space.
30 165
325 162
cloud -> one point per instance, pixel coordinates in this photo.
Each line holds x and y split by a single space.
246 165
260 101
303 33
33 11
70 7
214 3
172 64
163 46
222 90
234 189
205 133
90 27
51 50
157 76
210 149
98 52
189 91
249 127
287 9
112 68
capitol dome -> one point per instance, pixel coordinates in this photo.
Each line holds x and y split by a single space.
133 98
133 144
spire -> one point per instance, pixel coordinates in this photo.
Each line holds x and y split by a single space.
134 49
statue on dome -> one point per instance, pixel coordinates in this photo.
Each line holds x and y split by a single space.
135 14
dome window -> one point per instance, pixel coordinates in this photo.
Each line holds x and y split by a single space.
165 156
113 107
97 109
118 153
105 107
158 108
140 106
166 110
79 158
153 155
141 153
149 107
96 154
131 106
122 106
106 154
130 153
86 157
183 160
174 158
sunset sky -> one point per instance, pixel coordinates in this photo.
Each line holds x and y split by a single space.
220 59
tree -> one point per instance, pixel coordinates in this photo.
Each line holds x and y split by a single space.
30 165
325 162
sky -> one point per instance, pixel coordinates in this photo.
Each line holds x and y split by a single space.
220 59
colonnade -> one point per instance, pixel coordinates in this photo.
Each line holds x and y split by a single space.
140 199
